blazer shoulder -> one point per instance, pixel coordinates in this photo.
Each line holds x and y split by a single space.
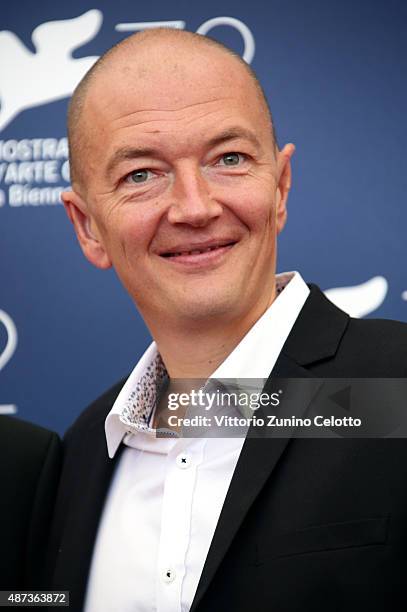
18 437
30 460
375 347
96 412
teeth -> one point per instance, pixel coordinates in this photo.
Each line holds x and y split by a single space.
194 252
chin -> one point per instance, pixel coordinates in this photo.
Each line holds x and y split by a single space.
209 308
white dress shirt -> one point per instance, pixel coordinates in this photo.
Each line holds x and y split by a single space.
166 495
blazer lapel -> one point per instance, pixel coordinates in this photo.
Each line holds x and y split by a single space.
315 336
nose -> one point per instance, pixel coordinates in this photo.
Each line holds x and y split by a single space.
192 202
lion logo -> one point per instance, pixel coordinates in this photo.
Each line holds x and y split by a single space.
30 79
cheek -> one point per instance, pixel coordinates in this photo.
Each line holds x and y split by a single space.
255 209
129 233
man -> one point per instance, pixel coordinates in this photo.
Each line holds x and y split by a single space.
179 184
30 459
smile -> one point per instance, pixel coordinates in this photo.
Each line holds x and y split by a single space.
198 251
199 255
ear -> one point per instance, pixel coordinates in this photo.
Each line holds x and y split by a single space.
86 230
284 184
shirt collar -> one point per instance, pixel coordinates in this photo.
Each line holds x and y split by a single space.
125 405
254 357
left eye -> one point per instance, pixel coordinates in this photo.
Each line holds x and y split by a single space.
232 159
139 176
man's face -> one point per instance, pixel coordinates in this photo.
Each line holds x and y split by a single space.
182 187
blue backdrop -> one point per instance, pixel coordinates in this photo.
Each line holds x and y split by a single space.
334 73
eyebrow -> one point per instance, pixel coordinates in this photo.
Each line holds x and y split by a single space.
130 153
126 153
235 133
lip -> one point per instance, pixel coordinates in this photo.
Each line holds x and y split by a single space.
187 247
203 259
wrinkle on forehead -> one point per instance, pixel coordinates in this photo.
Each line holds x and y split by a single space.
161 114
138 107
172 117
168 110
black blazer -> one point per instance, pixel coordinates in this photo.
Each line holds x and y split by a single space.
30 459
307 524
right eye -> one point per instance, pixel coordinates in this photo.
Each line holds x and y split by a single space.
139 176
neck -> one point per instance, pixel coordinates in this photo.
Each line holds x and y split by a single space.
196 350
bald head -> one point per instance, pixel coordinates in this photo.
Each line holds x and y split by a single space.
140 54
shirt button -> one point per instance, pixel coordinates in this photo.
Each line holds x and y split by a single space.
169 575
183 461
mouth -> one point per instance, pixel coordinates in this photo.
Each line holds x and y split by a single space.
199 254
197 250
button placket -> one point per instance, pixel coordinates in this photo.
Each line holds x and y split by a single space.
180 482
